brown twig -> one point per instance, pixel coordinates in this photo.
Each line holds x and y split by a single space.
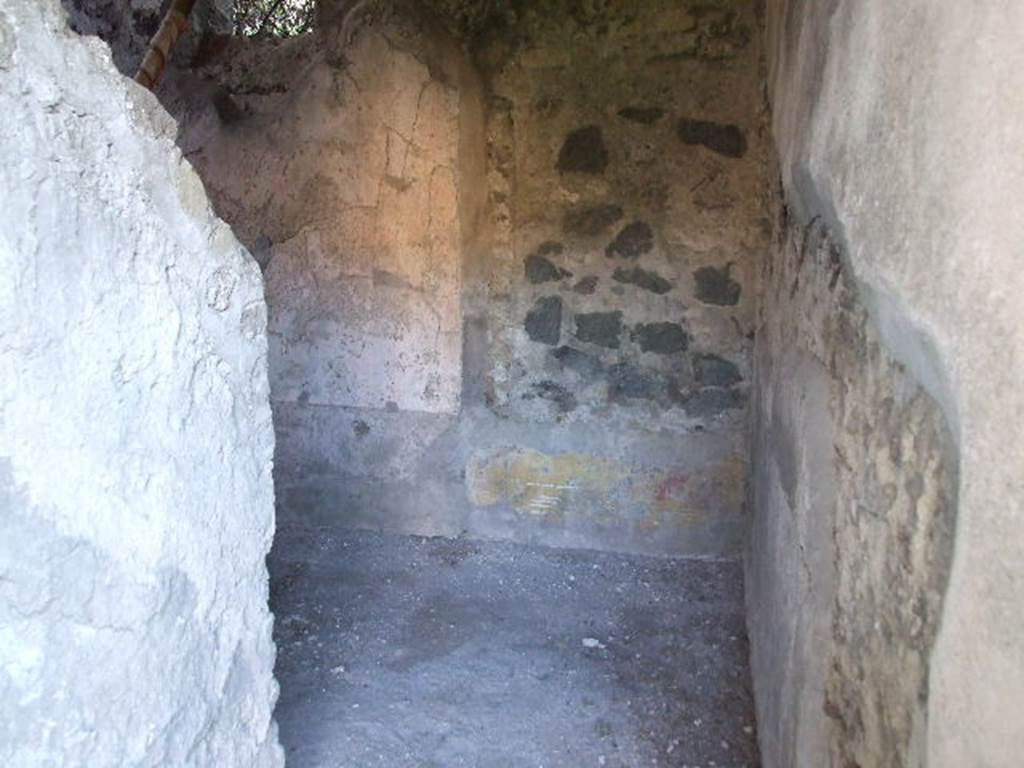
159 52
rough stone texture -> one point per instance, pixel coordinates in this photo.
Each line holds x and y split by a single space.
644 279
716 371
583 151
587 286
544 322
591 220
540 269
633 241
726 140
633 235
135 431
556 393
600 328
661 338
857 473
895 127
642 115
469 19
712 402
584 364
715 285
627 381
642 663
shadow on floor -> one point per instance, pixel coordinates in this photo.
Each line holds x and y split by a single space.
397 651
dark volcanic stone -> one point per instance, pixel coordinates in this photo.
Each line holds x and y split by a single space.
601 328
712 401
539 269
716 286
726 140
544 322
586 365
556 393
227 109
634 239
550 248
583 151
642 278
628 381
591 220
661 338
643 115
715 371
587 285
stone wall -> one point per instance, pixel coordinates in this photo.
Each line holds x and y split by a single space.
503 301
626 172
899 148
855 477
338 157
135 431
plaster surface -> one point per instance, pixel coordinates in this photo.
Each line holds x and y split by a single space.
854 509
336 163
895 124
136 502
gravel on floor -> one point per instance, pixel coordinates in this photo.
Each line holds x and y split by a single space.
397 651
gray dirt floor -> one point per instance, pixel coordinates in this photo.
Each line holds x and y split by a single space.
398 651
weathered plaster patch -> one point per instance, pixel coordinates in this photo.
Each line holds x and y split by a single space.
887 481
551 486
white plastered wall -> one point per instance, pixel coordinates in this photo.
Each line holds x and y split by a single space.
902 123
136 501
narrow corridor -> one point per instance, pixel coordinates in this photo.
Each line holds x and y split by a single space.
585 383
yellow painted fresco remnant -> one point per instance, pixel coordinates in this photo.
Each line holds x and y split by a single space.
542 485
535 483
